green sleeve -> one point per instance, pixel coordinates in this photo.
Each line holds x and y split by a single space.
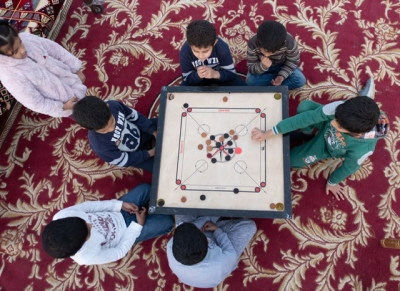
309 115
301 120
348 167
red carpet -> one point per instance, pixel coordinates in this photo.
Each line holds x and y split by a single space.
130 51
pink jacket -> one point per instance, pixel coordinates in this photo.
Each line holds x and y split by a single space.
45 79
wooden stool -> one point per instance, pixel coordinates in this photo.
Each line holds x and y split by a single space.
391 243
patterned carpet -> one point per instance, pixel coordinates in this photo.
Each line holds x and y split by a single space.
129 52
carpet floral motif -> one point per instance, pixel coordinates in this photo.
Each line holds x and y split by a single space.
129 52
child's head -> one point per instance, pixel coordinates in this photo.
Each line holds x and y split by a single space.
271 36
64 237
190 244
10 43
201 36
93 114
357 115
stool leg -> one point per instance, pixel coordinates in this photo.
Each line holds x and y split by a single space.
390 243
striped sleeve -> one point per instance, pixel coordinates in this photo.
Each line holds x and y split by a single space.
253 58
292 57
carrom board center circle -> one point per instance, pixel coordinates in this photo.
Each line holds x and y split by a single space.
221 147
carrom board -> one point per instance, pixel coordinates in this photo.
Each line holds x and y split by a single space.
206 162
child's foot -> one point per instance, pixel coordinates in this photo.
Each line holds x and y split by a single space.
95 5
369 89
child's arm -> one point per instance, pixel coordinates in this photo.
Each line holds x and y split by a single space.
292 58
254 61
125 159
189 73
351 163
90 207
260 135
30 97
120 250
223 241
227 70
228 251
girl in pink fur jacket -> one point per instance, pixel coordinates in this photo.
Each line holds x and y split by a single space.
39 73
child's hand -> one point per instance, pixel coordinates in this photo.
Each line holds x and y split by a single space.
278 81
81 76
266 62
141 216
155 133
209 226
152 152
336 190
207 73
70 103
130 207
260 135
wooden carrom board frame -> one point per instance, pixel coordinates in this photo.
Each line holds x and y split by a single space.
206 162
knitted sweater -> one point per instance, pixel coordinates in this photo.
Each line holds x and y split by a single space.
45 79
288 55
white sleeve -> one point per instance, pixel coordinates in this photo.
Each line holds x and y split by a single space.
90 207
109 255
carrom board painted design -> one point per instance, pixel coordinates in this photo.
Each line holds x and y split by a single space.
206 162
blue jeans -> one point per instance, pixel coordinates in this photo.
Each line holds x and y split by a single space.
155 224
294 81
237 81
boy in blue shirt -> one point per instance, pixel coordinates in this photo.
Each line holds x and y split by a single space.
117 134
206 59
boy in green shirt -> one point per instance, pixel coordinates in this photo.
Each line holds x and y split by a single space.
346 129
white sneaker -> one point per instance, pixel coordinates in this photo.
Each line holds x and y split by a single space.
369 89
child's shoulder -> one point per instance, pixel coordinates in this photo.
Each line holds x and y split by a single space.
221 46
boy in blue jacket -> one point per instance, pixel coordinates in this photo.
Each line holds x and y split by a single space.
117 134
206 59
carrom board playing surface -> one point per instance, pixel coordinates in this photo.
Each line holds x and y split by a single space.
206 162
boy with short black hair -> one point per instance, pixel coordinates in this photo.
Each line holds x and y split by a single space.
346 129
273 58
206 59
205 250
100 232
117 134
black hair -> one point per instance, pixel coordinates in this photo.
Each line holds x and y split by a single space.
190 245
271 35
358 115
64 237
92 113
7 34
201 34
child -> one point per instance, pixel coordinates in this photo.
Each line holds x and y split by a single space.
39 73
346 129
204 251
117 133
273 57
205 59
101 232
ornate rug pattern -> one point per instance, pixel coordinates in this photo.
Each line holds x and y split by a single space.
129 52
